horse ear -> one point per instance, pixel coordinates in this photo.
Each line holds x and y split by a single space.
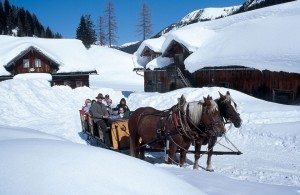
222 96
206 101
182 97
227 93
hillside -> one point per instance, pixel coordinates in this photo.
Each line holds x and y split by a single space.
20 22
207 14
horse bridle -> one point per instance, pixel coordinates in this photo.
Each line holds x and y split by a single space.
206 129
229 117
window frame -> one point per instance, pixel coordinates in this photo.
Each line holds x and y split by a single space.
26 63
37 63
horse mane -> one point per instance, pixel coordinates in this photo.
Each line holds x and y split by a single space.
214 106
195 111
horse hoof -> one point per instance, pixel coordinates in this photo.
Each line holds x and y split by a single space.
210 169
196 167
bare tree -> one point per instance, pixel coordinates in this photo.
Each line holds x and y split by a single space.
144 26
111 24
102 35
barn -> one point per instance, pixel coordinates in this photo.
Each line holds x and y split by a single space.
256 52
66 60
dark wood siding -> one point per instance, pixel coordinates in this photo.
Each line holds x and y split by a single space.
261 84
72 80
161 81
32 55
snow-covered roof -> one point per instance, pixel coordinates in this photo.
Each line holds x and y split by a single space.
266 38
69 54
153 44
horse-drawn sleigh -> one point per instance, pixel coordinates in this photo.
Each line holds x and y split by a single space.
172 130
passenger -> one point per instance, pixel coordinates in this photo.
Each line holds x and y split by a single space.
115 114
123 105
85 113
121 112
101 118
108 106
106 98
93 101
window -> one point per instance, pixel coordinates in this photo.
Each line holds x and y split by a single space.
37 63
67 83
25 63
78 83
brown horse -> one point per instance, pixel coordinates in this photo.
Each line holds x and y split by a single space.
229 113
153 127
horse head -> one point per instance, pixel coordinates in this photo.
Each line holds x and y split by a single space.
211 117
228 111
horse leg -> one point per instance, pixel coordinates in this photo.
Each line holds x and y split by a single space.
172 153
211 144
182 160
134 149
197 154
142 150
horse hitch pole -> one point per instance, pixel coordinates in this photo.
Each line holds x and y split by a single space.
167 145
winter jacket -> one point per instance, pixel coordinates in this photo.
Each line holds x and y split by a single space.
98 110
124 106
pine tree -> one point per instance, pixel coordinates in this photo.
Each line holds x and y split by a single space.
2 19
145 25
48 33
111 24
81 29
86 32
91 33
102 35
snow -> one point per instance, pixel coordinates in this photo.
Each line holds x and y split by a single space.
43 150
246 39
208 14
153 44
45 76
104 59
61 51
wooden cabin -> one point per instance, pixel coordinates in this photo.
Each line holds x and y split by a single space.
171 77
149 53
39 56
280 87
31 61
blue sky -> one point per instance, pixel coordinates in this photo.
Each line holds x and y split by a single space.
63 15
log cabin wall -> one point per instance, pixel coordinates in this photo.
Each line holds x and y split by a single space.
161 81
32 56
72 80
279 87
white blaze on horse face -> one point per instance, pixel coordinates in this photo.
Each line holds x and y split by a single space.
229 98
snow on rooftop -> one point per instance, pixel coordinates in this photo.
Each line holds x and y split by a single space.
114 68
266 38
26 76
153 44
70 54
